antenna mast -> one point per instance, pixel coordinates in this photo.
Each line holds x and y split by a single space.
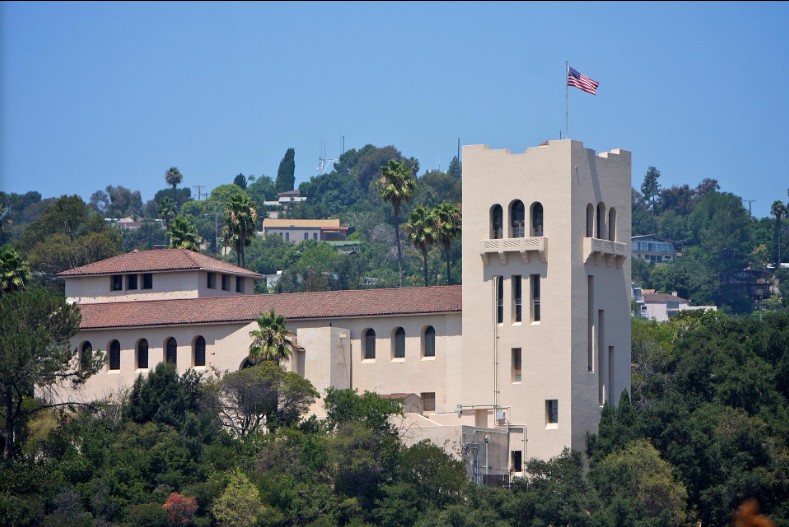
323 161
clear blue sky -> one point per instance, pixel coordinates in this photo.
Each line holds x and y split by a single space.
96 94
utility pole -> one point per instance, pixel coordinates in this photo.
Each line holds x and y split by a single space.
199 191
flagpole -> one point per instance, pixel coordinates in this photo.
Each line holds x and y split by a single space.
566 104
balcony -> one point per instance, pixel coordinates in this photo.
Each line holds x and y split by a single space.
606 250
522 246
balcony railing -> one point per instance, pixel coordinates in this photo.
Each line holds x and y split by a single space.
607 250
520 246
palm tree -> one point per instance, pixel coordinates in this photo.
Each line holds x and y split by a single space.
449 223
272 340
168 210
240 225
421 232
14 272
778 210
397 186
173 176
183 234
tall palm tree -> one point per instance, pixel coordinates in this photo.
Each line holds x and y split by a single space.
778 210
449 224
271 340
14 272
397 186
240 225
183 234
173 177
421 232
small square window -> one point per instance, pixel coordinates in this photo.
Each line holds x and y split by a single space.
147 281
117 282
239 284
131 281
211 281
428 401
225 282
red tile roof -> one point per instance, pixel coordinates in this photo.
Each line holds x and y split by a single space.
158 260
294 306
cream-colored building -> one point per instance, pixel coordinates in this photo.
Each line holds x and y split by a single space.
514 364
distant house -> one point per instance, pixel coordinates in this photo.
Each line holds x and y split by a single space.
652 249
661 306
286 198
295 231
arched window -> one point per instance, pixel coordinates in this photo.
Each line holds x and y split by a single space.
115 355
612 224
589 221
171 351
517 219
429 342
199 352
536 219
85 353
142 354
368 343
398 349
496 222
599 221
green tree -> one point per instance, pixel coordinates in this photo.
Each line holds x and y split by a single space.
240 504
650 187
778 209
173 177
240 225
455 168
271 341
449 222
168 210
264 395
14 271
35 353
421 232
183 234
240 181
286 173
397 185
638 480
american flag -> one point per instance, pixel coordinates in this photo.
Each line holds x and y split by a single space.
581 81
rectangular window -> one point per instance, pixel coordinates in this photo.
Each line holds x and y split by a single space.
516 299
239 284
499 285
314 235
117 282
428 401
535 298
600 352
306 236
211 281
225 282
287 236
610 383
552 411
516 365
147 281
131 281
517 461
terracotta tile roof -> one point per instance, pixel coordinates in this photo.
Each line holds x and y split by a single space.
158 260
294 306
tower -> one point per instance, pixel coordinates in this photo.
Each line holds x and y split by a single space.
546 282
